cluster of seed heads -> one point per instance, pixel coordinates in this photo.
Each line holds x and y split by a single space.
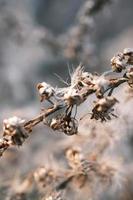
54 183
60 115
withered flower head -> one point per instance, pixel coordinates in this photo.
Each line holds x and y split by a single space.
103 108
73 97
45 91
80 78
66 124
128 54
118 62
13 130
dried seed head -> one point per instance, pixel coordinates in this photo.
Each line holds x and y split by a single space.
69 126
64 123
72 97
103 108
45 91
128 54
13 130
106 103
118 63
80 78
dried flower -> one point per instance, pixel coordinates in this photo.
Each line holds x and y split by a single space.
13 130
122 60
128 54
103 108
118 63
45 91
72 97
67 124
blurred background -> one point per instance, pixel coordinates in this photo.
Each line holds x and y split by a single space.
37 41
42 38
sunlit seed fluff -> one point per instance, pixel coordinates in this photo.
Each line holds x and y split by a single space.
79 76
13 121
13 131
101 82
73 97
53 122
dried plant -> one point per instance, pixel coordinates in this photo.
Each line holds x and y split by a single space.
85 164
61 113
87 156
